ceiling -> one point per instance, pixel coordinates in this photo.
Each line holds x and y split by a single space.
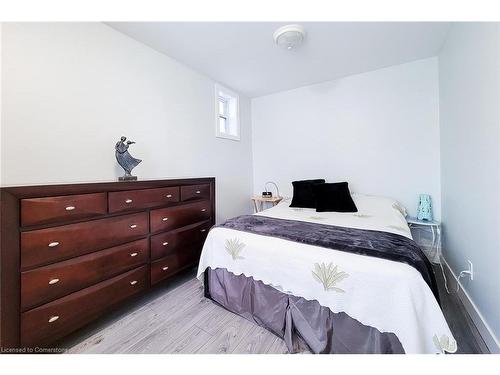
243 56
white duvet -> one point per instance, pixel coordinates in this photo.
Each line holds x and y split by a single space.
388 295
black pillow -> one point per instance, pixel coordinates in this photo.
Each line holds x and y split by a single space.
303 193
333 198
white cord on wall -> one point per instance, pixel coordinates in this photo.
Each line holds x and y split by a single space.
275 185
460 275
444 276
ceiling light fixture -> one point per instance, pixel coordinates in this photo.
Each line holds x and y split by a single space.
289 36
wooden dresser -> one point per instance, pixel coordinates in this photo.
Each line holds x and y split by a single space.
69 253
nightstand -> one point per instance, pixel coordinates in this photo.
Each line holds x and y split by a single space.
434 253
258 202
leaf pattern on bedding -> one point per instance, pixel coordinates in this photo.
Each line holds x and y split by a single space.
234 247
444 344
329 276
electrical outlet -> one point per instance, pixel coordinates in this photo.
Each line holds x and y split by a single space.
471 270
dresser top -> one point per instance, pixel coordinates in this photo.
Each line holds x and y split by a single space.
27 191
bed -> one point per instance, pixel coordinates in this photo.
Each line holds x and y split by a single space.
328 282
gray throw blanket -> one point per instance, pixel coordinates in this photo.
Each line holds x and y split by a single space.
373 243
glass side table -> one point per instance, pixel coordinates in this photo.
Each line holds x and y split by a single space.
434 253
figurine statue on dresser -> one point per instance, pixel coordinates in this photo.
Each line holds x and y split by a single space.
126 161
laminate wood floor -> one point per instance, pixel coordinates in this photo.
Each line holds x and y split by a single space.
176 318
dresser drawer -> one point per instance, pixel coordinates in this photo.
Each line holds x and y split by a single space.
51 321
146 198
167 243
175 217
47 283
36 211
192 192
44 246
165 267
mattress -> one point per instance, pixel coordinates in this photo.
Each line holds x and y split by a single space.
390 298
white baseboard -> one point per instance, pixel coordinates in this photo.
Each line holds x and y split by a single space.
484 329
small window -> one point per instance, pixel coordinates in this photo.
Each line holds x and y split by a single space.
227 117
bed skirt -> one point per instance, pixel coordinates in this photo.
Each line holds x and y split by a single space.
301 323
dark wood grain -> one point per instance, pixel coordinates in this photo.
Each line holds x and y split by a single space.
48 283
77 309
62 208
146 198
175 217
195 192
85 234
170 265
9 272
165 267
167 243
77 239
38 191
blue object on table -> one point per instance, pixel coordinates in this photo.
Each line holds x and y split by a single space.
424 211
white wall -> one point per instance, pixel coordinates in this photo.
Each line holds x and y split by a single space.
469 80
379 131
71 90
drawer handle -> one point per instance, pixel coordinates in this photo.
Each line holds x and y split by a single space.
198 192
133 282
53 281
203 209
133 226
70 208
53 244
128 201
203 230
53 318
165 243
169 195
164 219
164 268
133 254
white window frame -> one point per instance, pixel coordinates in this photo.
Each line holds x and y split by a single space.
233 117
